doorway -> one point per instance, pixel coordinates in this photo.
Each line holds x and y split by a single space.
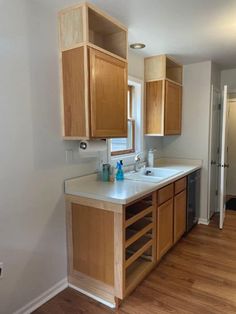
231 175
214 157
222 183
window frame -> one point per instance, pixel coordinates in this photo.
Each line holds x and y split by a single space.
132 120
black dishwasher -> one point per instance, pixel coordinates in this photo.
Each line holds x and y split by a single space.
193 199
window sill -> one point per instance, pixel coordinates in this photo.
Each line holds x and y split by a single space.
127 158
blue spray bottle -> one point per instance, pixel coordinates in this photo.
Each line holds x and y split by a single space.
120 172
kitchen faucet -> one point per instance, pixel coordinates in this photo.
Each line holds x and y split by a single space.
137 160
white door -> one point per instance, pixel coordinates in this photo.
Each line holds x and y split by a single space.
214 151
224 160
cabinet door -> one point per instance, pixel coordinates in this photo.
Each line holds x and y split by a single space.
154 107
164 228
108 95
173 108
179 215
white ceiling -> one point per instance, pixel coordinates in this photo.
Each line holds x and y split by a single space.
189 30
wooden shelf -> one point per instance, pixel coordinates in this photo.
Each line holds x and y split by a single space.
138 210
138 234
162 67
107 35
136 273
138 215
85 23
173 71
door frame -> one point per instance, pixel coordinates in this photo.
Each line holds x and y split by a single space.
213 88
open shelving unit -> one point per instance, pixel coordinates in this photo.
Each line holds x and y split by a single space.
85 24
140 241
163 67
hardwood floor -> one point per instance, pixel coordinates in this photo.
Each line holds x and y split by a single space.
197 276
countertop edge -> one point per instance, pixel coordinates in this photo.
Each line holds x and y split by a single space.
152 188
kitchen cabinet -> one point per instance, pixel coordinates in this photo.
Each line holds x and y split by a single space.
164 219
112 246
93 50
164 228
180 209
179 215
163 101
171 215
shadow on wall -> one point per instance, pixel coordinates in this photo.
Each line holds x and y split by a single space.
36 265
48 146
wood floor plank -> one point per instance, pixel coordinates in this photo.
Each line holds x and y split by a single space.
197 276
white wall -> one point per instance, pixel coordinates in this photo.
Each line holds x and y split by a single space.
228 77
32 159
193 143
135 65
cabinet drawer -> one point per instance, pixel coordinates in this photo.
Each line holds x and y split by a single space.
165 194
180 185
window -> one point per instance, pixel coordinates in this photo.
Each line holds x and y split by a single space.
120 146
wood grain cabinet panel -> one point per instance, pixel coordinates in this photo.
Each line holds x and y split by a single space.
74 92
165 193
154 107
93 56
163 77
180 185
164 228
173 108
108 95
179 215
93 242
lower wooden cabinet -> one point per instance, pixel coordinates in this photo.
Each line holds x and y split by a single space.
179 215
164 228
111 247
171 215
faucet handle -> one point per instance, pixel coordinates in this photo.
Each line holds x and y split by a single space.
137 157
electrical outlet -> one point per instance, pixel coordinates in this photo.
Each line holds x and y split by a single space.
1 270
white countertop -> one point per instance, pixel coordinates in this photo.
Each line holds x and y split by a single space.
123 192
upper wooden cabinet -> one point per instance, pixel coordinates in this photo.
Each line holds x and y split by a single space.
163 77
94 74
108 95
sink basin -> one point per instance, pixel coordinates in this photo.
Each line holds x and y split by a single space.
152 174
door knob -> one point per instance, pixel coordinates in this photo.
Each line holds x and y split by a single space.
213 162
226 166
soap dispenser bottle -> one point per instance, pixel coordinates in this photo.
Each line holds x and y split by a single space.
120 172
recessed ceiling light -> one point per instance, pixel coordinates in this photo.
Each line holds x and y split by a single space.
137 46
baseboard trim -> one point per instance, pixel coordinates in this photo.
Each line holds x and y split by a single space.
111 305
43 298
203 221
